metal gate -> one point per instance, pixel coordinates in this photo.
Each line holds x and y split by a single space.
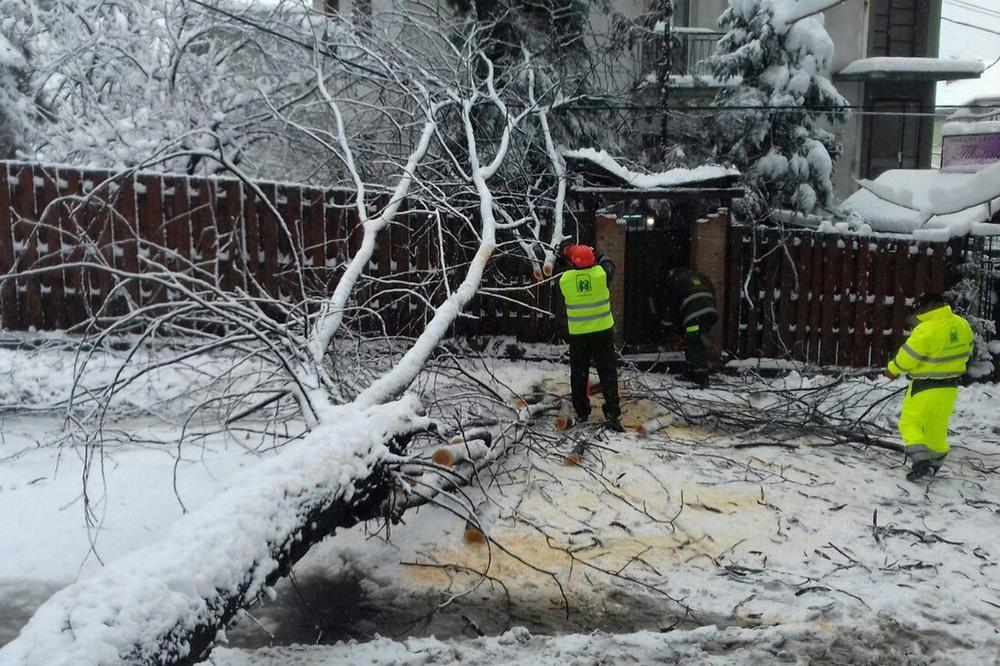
654 244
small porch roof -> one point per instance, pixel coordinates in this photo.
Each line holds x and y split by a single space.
911 69
595 173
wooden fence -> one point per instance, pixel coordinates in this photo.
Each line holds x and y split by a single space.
822 298
222 228
825 298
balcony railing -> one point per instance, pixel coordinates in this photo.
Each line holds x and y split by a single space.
692 48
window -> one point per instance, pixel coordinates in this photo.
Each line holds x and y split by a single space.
899 28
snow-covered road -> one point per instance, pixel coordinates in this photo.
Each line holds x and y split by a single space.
794 553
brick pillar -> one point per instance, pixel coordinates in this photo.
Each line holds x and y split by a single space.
609 238
709 242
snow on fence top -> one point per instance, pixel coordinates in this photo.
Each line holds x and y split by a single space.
672 178
930 205
936 69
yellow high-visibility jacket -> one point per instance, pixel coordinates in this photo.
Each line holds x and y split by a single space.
938 348
588 300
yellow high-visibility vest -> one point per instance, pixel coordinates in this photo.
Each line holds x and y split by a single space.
938 348
588 301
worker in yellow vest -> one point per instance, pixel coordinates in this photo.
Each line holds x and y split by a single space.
934 358
584 288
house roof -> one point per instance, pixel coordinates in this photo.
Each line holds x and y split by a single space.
911 69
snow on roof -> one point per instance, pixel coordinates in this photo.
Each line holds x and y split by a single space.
789 11
671 178
928 204
956 128
937 69
983 117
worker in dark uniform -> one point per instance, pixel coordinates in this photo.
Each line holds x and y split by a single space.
584 287
687 305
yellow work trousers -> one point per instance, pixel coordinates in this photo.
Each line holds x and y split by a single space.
924 423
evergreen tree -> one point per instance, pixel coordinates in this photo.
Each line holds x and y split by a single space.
771 126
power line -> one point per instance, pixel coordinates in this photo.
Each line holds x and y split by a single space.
857 109
970 25
971 7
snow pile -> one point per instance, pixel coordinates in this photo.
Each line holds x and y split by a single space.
889 66
134 608
930 205
672 178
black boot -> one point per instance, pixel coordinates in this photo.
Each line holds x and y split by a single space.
613 423
920 469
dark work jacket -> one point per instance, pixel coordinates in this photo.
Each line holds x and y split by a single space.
687 298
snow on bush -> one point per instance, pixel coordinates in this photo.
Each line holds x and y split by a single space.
783 61
16 107
965 296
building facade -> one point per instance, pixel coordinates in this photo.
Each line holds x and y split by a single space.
885 65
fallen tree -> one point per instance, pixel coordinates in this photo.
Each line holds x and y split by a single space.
445 151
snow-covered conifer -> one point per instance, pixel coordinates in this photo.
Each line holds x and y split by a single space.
771 125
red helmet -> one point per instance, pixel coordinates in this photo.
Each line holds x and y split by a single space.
582 256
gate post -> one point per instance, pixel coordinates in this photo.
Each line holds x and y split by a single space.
609 238
708 255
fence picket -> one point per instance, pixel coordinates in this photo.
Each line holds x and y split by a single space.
26 249
8 288
880 308
859 351
788 295
151 231
50 232
816 290
801 347
847 293
829 310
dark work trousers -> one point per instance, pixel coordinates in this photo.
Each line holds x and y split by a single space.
598 348
698 351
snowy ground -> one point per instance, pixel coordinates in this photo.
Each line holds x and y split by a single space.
658 547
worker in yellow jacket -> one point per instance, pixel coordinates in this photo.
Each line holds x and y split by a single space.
934 358
585 287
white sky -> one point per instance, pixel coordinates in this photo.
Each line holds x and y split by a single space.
961 41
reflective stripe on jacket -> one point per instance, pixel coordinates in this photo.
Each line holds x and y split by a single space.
588 300
939 347
698 304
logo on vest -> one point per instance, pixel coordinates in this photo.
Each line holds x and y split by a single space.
583 284
953 336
